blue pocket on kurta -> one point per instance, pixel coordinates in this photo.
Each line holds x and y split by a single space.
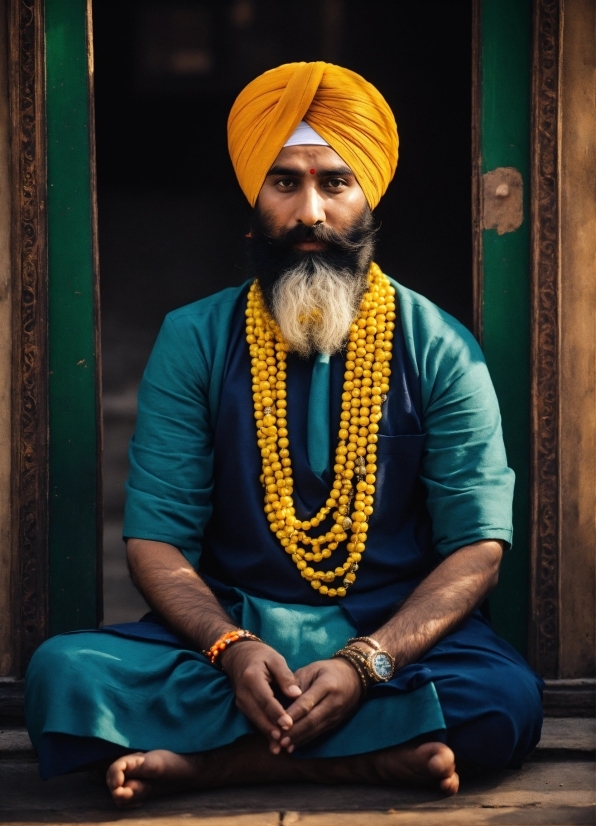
408 443
398 484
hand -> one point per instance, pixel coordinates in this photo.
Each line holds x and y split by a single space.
252 668
331 691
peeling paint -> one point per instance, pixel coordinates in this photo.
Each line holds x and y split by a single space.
502 199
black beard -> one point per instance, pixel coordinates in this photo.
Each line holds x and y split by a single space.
271 255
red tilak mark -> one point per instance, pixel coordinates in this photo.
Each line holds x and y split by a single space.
312 171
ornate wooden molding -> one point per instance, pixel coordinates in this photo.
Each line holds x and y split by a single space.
29 325
97 311
544 631
477 279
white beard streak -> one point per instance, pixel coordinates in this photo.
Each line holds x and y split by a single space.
314 309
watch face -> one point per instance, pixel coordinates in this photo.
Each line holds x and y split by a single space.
381 665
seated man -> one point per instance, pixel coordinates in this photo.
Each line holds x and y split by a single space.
317 506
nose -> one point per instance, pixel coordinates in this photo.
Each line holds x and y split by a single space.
310 208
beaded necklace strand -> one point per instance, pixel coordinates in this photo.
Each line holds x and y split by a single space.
366 384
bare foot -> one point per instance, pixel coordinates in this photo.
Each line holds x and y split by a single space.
423 765
133 777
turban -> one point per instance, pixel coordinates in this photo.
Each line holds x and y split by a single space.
347 111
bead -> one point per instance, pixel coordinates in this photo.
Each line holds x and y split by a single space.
366 383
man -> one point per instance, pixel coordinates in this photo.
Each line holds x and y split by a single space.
317 506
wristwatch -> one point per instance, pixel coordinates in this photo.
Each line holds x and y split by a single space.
378 665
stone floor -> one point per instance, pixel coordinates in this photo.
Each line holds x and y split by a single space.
556 787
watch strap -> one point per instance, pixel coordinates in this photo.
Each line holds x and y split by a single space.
368 640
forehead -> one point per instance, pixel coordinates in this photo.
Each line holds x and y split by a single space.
303 156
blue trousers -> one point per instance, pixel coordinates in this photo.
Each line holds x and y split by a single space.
99 694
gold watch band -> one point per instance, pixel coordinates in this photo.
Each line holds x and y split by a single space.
368 640
356 663
366 661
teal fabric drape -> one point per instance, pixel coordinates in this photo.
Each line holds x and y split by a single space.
318 415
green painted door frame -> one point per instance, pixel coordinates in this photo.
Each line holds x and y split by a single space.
503 106
75 512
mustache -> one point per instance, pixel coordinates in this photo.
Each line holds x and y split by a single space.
272 252
357 238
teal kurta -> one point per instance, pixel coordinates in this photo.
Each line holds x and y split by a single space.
170 498
464 466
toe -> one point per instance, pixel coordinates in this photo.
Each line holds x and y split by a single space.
442 763
116 776
131 793
450 785
122 796
139 788
154 765
115 773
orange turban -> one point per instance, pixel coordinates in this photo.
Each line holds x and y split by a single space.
343 108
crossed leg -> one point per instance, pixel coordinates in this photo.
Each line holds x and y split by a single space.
133 777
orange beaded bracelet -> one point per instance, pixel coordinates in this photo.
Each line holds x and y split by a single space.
228 639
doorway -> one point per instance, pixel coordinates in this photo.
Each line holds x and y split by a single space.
171 215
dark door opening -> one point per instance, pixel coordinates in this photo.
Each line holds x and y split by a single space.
171 215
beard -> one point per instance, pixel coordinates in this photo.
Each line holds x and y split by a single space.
313 296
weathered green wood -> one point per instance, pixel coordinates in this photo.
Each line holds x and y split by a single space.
71 323
505 142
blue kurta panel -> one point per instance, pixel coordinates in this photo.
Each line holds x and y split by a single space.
241 551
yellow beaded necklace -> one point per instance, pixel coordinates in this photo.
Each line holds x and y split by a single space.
366 384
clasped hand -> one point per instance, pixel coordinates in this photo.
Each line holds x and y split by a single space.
323 693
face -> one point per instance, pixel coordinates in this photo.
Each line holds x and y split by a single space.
310 247
309 186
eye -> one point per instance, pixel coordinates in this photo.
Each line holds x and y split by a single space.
336 183
285 183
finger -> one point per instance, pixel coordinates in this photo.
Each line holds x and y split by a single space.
324 715
255 699
307 702
306 676
250 707
284 678
259 680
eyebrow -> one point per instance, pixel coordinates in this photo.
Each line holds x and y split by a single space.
297 173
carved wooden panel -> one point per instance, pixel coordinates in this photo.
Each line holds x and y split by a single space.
30 314
476 170
544 632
